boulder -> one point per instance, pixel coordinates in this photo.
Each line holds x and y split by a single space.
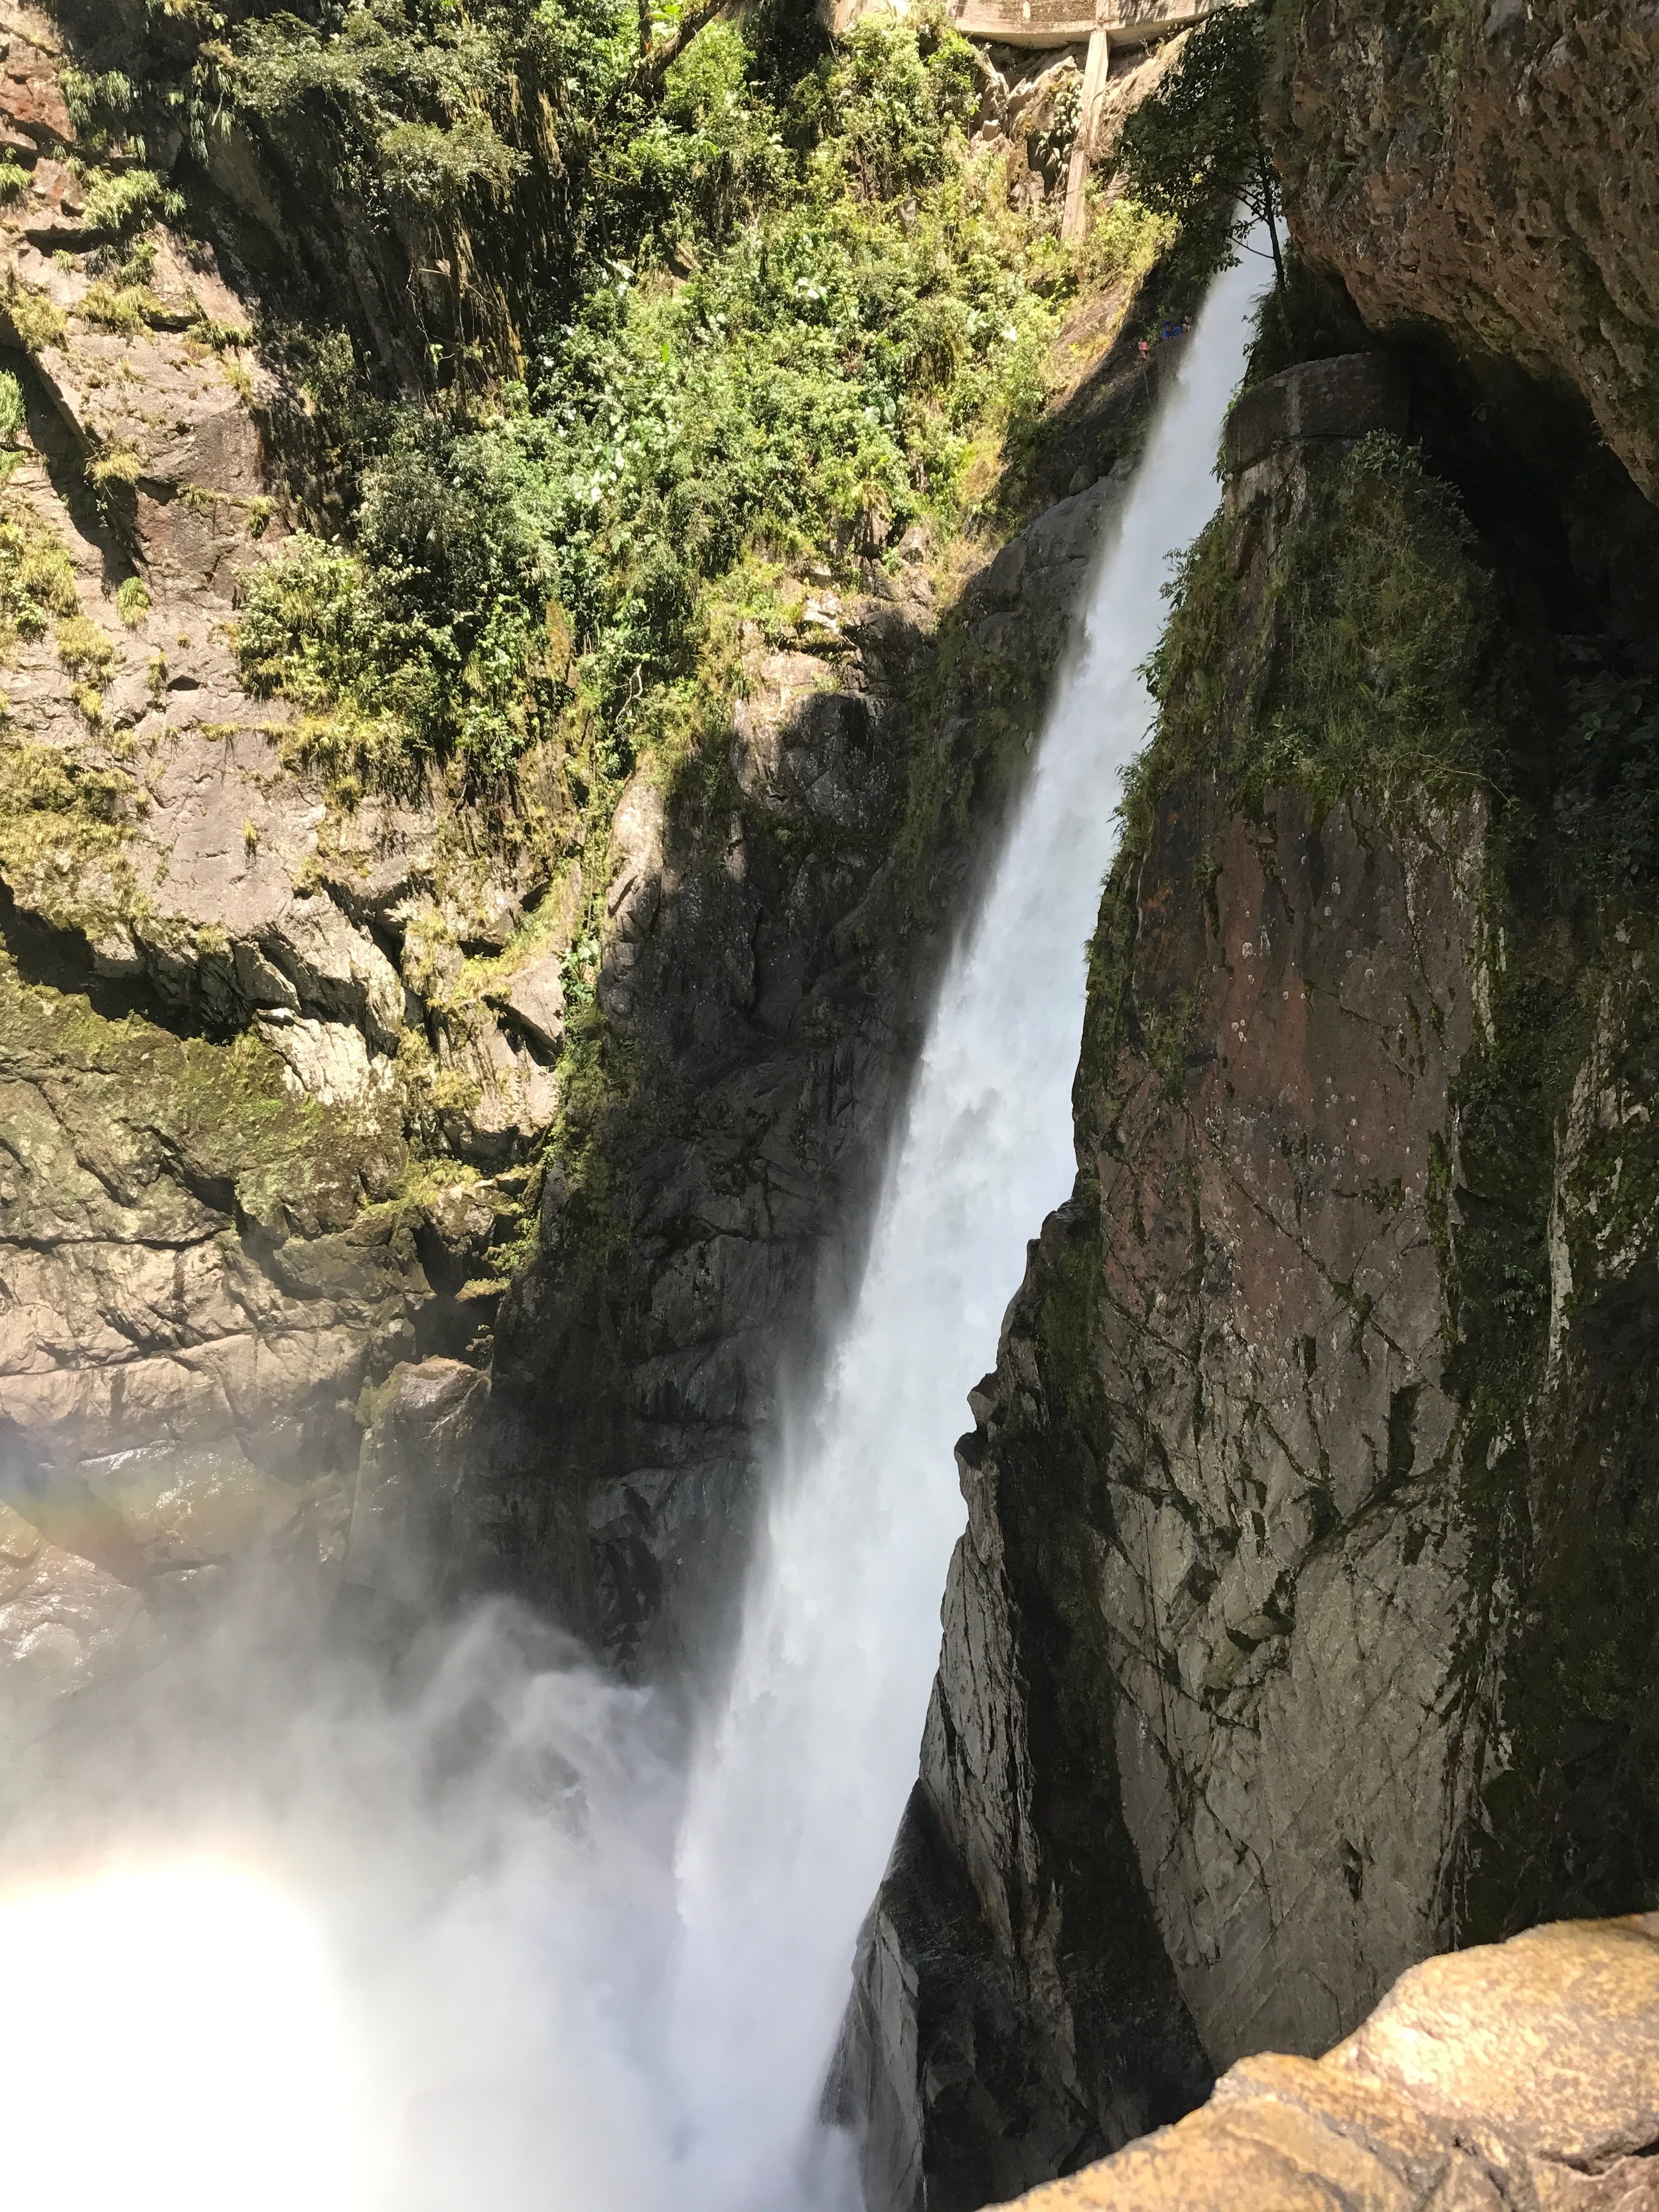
1523 2075
1318 402
535 998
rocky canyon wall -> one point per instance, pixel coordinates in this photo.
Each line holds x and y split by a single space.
1300 1628
303 1063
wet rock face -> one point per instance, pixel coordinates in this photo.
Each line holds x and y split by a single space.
1288 1640
1513 2076
1196 1748
1494 171
765 963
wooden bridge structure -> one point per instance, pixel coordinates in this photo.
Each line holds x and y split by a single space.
1052 23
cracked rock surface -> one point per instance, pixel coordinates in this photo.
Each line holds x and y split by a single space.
1300 1626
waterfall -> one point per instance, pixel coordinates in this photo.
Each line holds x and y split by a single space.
797 1791
570 1975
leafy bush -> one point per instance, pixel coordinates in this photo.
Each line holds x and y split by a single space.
826 302
97 102
438 622
37 577
120 202
436 168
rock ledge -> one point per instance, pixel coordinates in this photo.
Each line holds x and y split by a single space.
1523 2074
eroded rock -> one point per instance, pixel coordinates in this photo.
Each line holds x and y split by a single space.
1495 2079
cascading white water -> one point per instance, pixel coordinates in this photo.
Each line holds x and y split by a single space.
560 1976
798 1792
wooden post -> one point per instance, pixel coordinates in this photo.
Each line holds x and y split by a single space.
1094 84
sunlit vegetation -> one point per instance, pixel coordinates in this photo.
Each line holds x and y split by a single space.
1378 656
794 308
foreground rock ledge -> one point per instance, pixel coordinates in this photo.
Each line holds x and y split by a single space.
1523 2074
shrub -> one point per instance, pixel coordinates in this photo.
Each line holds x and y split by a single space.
83 649
35 320
115 464
127 309
436 168
37 577
132 601
96 102
120 202
296 628
795 310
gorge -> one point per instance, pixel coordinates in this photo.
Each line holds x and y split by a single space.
573 590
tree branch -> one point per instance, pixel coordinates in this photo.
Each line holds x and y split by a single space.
650 66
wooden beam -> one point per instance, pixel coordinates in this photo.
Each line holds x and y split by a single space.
1077 176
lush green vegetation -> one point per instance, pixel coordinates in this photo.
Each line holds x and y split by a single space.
802 310
713 317
1194 152
1372 655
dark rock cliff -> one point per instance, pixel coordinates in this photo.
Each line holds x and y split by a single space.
1492 173
769 949
1299 1627
296 1075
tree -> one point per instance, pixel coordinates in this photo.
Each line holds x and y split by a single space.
1193 149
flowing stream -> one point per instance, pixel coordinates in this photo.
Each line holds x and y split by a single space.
474 1935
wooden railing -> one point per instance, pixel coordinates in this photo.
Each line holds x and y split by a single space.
1052 23
1046 23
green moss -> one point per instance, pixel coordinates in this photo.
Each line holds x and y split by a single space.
13 414
126 309
63 836
83 649
132 601
221 1111
37 577
35 322
1068 1320
1370 658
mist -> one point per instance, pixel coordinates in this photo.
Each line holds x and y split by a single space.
312 1911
